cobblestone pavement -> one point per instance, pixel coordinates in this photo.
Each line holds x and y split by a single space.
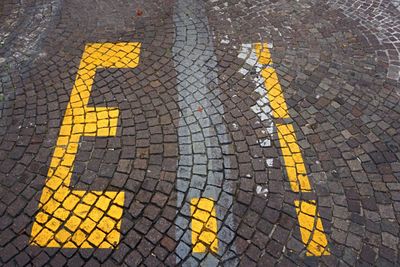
185 132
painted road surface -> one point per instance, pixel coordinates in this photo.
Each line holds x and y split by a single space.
199 133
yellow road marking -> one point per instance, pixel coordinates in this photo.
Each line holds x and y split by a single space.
311 229
295 168
263 54
274 90
204 225
275 95
72 218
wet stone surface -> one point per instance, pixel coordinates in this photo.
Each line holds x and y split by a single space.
150 133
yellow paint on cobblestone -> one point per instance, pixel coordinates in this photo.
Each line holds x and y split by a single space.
274 90
72 218
204 225
311 229
263 54
295 168
275 95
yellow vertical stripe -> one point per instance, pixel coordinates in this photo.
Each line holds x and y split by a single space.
274 90
204 225
294 164
275 95
263 54
311 229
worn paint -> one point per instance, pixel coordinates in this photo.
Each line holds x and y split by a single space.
311 229
262 107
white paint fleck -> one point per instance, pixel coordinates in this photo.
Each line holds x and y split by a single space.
262 190
225 40
243 71
269 162
265 143
256 109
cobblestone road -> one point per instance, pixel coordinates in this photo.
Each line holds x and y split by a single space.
186 132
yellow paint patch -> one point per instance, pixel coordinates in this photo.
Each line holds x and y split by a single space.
295 168
274 90
275 95
311 229
92 219
204 225
263 54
